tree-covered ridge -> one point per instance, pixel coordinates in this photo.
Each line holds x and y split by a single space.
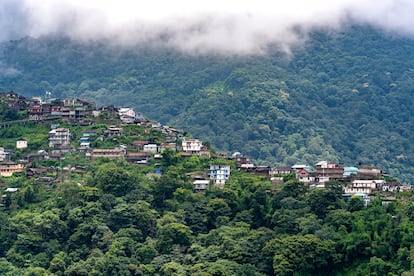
114 218
344 97
109 217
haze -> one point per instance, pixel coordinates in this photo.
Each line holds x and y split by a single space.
241 27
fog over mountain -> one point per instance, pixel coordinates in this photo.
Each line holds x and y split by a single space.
235 27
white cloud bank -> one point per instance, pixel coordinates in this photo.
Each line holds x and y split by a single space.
199 26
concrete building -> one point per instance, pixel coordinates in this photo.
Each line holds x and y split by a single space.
192 145
364 186
8 168
59 137
21 143
219 174
200 185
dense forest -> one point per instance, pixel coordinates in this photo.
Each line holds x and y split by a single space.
114 218
344 97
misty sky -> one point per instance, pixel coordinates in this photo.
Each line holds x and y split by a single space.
200 26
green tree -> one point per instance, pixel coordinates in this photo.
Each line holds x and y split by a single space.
113 178
173 233
321 201
301 254
355 204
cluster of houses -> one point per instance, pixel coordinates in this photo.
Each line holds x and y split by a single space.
358 181
38 108
362 180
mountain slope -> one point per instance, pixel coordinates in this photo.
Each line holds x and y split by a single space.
344 97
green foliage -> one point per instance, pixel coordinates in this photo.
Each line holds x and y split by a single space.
301 254
113 178
114 218
329 101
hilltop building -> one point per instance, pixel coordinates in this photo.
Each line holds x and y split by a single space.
59 137
21 143
364 186
328 172
219 174
191 145
8 168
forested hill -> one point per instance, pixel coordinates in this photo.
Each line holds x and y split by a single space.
345 97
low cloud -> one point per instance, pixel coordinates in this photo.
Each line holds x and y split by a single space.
8 72
241 27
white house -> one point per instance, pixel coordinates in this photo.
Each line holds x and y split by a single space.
127 115
192 145
364 186
219 173
21 143
150 148
3 154
59 137
200 185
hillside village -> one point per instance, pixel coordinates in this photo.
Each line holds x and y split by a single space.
80 127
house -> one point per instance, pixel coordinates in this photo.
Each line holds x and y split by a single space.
363 186
241 160
350 171
90 133
69 102
204 153
40 155
127 115
56 110
305 175
3 154
35 109
84 142
191 145
393 187
201 185
298 167
219 174
281 170
328 171
106 153
21 143
150 148
113 131
46 109
59 137
8 168
251 168
138 157
84 145
139 144
369 172
31 172
14 101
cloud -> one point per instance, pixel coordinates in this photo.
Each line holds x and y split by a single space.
200 26
8 72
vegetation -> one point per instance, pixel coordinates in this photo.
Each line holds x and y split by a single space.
344 97
115 218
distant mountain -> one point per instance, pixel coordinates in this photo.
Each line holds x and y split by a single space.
344 97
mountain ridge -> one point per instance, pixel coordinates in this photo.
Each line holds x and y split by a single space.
342 96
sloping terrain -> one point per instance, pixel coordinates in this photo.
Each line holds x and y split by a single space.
344 97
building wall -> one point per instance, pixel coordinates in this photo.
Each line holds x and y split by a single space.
219 173
7 169
21 144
